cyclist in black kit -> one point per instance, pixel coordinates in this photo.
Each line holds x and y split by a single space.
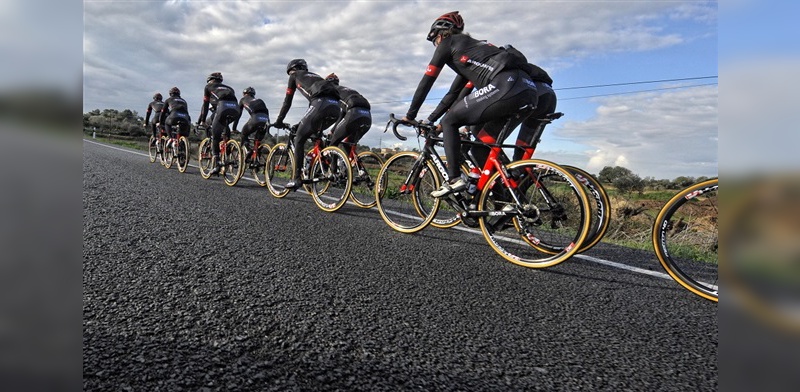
323 109
354 119
259 117
503 89
154 108
175 114
222 100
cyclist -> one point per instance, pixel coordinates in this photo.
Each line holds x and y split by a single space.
502 88
175 114
354 119
221 99
154 108
259 117
323 109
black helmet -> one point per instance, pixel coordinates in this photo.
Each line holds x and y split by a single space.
214 76
333 78
174 92
249 91
296 64
157 97
450 21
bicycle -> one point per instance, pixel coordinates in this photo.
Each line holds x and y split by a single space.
256 160
365 166
543 203
155 146
599 201
325 174
230 152
176 149
686 238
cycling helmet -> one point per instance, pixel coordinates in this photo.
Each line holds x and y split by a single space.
249 91
173 92
214 76
450 21
333 78
296 64
157 97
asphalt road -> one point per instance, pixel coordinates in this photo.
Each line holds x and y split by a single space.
189 284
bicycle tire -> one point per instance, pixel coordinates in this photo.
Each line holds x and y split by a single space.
367 167
232 163
183 154
258 166
398 205
152 149
279 169
169 154
205 158
333 179
162 142
687 249
599 203
569 222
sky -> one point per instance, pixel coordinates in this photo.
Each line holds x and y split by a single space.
656 123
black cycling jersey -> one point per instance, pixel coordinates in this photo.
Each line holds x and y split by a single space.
351 98
310 85
471 59
154 108
175 113
259 118
213 93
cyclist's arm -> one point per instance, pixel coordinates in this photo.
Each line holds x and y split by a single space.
431 73
287 101
204 109
147 115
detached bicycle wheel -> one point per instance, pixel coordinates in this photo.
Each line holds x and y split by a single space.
182 153
279 169
152 149
599 203
551 214
205 157
403 186
332 179
257 166
365 173
686 238
232 163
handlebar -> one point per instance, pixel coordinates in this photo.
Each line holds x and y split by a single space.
422 129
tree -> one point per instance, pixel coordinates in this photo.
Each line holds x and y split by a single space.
629 183
609 174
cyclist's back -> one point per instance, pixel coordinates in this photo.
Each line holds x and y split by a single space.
259 116
221 99
355 118
153 108
175 114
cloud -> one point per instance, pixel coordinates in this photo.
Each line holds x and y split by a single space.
656 134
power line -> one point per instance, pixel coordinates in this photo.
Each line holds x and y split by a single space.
632 83
607 85
638 91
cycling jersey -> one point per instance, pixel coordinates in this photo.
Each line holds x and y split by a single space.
175 113
355 118
155 108
259 118
310 85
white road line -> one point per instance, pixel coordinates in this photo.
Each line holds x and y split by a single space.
469 230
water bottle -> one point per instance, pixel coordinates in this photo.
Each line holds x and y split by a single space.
472 181
307 165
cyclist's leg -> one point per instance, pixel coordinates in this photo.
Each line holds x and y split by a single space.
531 129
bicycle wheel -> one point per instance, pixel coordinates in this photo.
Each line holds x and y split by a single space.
447 216
162 145
169 153
232 163
332 179
152 149
368 165
599 203
279 169
552 216
685 238
403 185
257 166
205 157
182 154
